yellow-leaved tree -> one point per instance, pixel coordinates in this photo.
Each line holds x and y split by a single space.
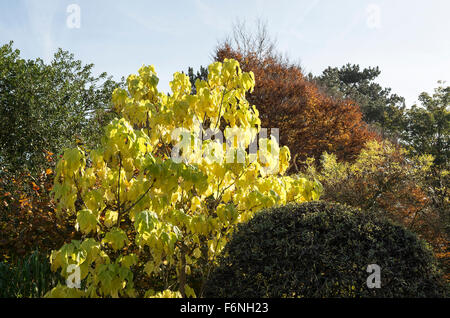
158 200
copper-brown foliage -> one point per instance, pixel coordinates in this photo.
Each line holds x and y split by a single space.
310 122
28 219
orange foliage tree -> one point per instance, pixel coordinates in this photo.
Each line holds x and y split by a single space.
310 122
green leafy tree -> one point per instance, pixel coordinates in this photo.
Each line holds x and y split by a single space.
380 108
428 131
43 106
428 126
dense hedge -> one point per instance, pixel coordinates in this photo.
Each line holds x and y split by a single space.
320 249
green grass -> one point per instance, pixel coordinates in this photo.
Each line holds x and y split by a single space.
28 277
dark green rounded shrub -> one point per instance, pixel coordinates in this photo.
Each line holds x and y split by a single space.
320 249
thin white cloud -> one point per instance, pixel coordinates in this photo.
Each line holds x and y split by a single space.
295 22
40 15
293 26
210 17
151 24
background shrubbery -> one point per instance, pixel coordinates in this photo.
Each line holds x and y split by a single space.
384 179
28 219
319 249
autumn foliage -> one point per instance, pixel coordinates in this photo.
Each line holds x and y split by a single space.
28 220
310 122
383 179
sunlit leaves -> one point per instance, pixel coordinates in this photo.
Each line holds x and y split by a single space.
87 221
111 218
116 238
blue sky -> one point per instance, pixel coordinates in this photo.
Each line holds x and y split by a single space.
409 40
